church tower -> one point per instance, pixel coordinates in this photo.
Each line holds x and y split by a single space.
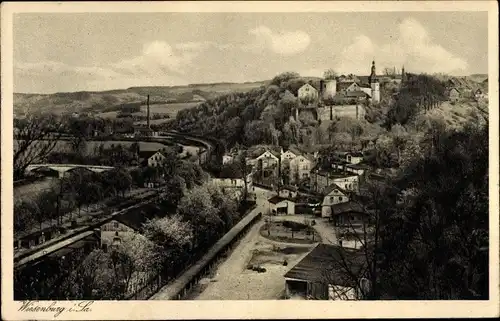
374 84
403 75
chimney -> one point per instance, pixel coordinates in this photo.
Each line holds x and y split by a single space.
147 104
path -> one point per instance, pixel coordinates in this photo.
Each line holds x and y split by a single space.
233 281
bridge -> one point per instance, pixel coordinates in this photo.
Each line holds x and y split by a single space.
63 168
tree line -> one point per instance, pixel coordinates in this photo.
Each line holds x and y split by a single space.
429 238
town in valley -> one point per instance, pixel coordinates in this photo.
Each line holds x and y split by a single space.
365 180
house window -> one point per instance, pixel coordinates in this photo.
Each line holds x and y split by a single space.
341 198
331 199
115 225
117 241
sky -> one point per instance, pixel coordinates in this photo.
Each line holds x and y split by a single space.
65 52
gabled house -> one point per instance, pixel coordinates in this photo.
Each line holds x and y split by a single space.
308 92
234 182
454 94
123 227
354 157
347 86
333 194
300 167
288 191
349 214
266 158
151 158
281 205
328 272
322 179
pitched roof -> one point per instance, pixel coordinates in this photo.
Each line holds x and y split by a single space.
290 188
355 154
145 154
329 264
358 166
135 219
277 199
356 93
347 207
295 150
333 187
307 85
344 85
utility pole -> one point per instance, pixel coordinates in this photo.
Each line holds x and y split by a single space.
148 121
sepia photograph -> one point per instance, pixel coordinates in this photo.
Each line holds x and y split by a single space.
229 154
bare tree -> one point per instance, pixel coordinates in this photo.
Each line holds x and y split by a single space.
330 74
359 266
389 71
35 138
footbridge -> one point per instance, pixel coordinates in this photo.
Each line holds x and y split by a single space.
64 168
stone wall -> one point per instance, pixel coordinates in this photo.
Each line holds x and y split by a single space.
341 111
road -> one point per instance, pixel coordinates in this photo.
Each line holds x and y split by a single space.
232 281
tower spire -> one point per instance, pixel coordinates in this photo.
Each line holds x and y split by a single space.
373 74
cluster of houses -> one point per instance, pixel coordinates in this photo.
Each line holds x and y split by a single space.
342 88
326 191
459 88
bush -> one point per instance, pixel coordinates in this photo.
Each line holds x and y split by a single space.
294 225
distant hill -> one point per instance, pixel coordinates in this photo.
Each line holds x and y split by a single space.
101 101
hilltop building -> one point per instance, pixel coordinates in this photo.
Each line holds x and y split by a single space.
343 96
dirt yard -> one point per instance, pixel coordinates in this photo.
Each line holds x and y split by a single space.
234 281
281 232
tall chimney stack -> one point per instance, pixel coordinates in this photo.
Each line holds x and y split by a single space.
147 104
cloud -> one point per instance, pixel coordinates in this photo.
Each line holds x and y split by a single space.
412 47
159 57
286 43
159 63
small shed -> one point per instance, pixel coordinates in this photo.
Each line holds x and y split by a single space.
281 206
349 213
328 272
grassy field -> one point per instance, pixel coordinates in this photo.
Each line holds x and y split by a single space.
170 109
180 96
456 115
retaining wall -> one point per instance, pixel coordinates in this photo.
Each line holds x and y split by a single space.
180 287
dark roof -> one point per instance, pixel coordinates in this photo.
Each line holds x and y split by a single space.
329 264
355 154
145 154
344 85
290 188
143 128
332 187
356 93
276 199
135 219
335 174
295 150
347 207
358 166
